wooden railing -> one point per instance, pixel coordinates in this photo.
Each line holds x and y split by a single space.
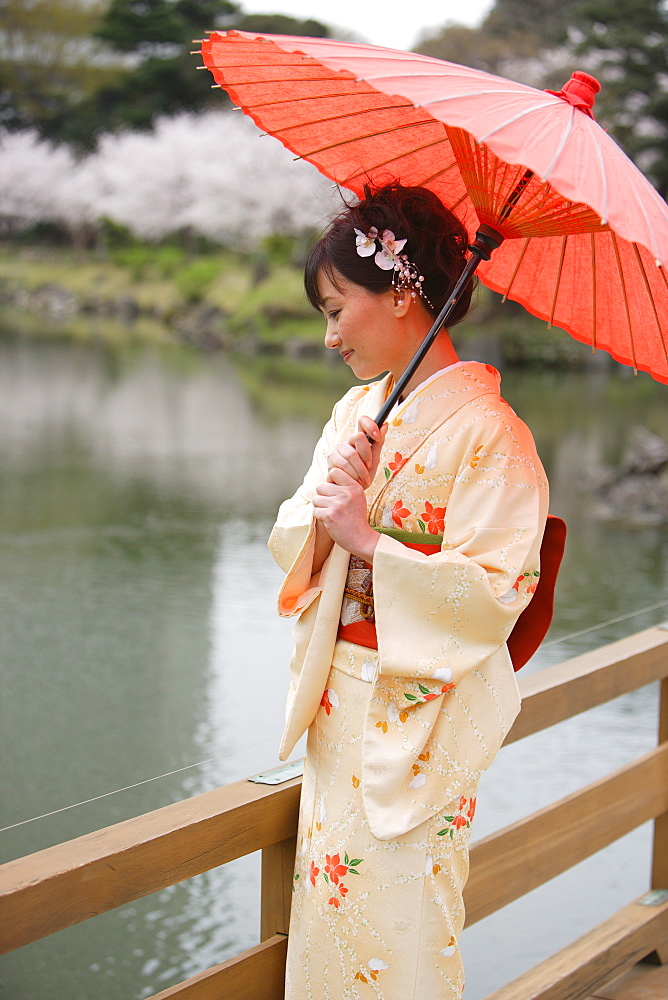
61 886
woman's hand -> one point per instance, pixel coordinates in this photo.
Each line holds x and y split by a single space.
340 506
357 457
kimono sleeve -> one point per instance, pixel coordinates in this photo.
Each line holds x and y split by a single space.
446 695
440 616
292 540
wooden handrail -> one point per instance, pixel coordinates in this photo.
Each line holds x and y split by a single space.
582 824
63 885
263 966
583 682
577 970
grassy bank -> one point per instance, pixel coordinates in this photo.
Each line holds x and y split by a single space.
217 296
253 303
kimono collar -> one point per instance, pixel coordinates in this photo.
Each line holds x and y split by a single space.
458 374
480 372
414 421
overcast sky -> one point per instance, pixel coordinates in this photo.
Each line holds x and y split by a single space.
395 23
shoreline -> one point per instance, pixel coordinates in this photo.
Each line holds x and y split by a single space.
248 304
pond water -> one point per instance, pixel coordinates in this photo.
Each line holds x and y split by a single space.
137 490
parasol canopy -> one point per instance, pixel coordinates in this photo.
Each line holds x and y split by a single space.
583 235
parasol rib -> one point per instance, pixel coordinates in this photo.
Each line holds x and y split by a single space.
626 300
660 203
651 298
361 138
516 194
454 97
401 156
564 240
648 222
665 281
327 97
440 173
517 267
562 143
511 121
601 165
457 203
347 116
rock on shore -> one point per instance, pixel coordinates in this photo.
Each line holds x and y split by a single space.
637 490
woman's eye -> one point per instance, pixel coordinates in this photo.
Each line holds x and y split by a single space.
333 314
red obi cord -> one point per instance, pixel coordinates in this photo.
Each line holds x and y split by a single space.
531 626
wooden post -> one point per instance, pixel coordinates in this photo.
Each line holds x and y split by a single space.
278 872
660 850
660 847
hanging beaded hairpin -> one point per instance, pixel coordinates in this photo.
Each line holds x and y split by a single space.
406 273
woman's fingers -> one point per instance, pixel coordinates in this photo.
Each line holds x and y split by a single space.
323 492
343 512
358 457
360 443
339 477
347 458
369 428
337 494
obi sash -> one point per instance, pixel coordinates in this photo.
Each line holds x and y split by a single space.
531 626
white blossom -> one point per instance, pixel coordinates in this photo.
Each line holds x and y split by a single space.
32 173
210 173
369 670
392 712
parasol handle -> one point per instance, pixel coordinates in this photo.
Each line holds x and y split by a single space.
486 240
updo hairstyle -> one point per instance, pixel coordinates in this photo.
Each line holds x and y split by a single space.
436 243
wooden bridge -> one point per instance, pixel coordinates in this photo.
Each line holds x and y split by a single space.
621 959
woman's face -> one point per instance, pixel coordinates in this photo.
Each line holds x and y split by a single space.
364 327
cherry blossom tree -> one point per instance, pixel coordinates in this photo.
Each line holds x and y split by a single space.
31 172
212 174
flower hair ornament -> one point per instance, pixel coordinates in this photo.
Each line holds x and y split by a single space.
406 273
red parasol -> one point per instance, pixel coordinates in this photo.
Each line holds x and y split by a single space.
583 235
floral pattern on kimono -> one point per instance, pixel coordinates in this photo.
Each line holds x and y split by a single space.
370 918
464 459
398 737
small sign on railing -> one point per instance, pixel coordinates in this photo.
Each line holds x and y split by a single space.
657 897
279 774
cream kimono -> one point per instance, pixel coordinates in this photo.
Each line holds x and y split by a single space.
398 737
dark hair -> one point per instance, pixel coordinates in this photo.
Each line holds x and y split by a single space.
436 243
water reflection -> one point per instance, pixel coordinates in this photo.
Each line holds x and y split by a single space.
137 490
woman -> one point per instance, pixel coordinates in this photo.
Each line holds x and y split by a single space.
406 686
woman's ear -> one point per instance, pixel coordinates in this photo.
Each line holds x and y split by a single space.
402 301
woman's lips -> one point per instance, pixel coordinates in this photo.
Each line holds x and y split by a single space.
346 355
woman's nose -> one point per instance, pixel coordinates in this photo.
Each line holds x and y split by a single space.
332 339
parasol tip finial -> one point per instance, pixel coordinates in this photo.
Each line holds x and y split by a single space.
580 91
583 88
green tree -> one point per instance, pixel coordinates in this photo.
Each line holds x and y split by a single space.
478 47
627 40
159 34
282 24
544 20
156 35
146 26
48 61
514 31
75 68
